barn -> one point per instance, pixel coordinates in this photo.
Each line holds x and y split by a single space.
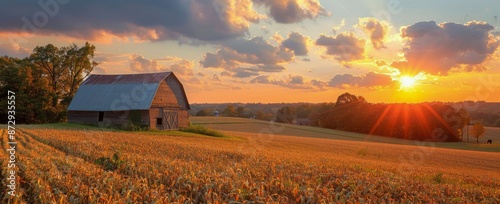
154 100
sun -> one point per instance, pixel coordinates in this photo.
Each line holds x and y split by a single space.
407 82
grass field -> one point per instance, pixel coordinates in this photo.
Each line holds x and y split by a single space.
249 127
257 161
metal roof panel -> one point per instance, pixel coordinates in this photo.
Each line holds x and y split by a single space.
116 97
126 78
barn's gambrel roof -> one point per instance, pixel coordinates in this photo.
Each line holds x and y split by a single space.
124 92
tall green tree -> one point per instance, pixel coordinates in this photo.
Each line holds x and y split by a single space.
79 64
30 89
49 59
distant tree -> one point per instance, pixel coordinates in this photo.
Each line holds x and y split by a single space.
286 115
261 115
304 110
348 98
230 111
204 112
464 121
240 111
497 123
478 130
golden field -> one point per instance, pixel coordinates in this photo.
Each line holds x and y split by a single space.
256 163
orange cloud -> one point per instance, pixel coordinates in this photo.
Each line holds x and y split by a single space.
447 47
370 79
345 47
377 30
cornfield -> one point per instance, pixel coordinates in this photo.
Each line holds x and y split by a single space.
59 166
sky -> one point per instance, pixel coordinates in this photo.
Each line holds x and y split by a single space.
268 51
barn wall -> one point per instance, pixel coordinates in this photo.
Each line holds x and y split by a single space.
83 116
119 118
183 119
164 97
183 116
176 87
153 114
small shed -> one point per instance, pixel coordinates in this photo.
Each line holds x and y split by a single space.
157 100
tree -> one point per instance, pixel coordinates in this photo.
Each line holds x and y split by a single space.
229 111
49 60
286 115
204 112
348 98
31 91
46 81
240 111
464 121
78 63
478 130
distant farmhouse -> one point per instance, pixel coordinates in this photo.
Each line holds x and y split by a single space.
157 100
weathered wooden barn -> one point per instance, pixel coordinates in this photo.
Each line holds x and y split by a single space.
157 100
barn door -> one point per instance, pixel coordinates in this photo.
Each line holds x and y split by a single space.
171 120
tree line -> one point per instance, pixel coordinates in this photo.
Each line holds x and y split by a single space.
44 82
434 121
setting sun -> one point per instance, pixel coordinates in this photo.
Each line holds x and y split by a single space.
407 82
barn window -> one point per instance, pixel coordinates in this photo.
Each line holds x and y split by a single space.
159 121
101 116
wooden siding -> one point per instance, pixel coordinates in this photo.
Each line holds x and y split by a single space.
183 116
110 117
164 97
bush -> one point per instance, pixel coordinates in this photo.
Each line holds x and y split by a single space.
130 126
203 130
110 164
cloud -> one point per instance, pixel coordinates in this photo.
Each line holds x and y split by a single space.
292 11
98 70
179 66
253 51
290 81
244 74
13 49
182 68
225 74
377 30
447 47
245 58
267 68
338 27
207 20
140 64
371 79
345 47
298 43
